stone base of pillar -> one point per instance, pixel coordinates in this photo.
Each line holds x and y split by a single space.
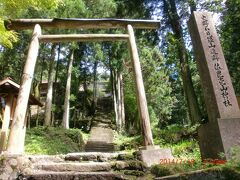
151 155
216 139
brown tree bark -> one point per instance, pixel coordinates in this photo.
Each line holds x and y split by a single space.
55 81
41 77
48 104
94 102
119 104
191 98
65 122
122 100
115 97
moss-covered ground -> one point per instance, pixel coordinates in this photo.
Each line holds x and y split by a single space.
50 140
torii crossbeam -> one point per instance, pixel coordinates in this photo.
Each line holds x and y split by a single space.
76 23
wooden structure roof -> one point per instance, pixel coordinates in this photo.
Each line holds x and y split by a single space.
76 23
8 86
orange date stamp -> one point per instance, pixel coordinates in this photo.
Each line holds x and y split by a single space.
214 161
192 161
177 161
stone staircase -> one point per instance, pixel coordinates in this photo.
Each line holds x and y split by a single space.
84 165
101 134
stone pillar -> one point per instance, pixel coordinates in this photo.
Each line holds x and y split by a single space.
221 132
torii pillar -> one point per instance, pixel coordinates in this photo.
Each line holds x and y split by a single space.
17 133
149 153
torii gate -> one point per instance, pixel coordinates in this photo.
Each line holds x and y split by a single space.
17 133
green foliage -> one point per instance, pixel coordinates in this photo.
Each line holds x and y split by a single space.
230 40
181 140
48 140
165 170
15 9
12 8
71 8
7 37
11 60
86 8
234 162
175 133
230 173
132 119
133 173
128 143
156 78
187 149
208 170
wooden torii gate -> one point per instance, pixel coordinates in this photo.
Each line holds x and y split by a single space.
17 133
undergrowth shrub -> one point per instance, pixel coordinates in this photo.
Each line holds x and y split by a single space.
51 140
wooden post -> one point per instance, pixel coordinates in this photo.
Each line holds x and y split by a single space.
141 97
6 121
17 133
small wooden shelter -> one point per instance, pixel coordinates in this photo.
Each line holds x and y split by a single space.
8 94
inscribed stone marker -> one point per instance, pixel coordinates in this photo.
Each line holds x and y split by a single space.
220 99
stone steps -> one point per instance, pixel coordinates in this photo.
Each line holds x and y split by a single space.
43 175
74 166
99 146
102 120
46 158
103 125
101 134
101 140
93 156
82 165
68 166
79 156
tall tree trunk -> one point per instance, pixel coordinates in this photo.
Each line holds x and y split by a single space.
122 100
85 88
191 98
41 75
94 103
48 104
65 122
55 82
29 118
119 104
114 97
74 118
